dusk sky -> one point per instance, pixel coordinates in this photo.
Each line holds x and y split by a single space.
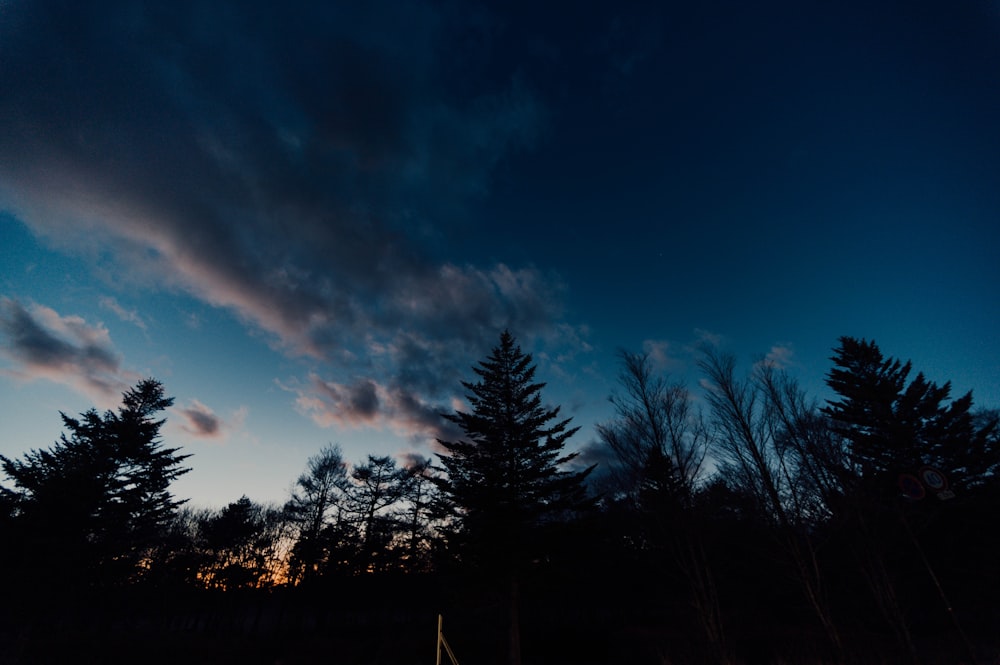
308 220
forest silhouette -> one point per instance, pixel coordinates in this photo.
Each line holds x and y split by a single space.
743 524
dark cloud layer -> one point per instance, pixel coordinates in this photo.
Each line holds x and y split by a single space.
374 185
301 165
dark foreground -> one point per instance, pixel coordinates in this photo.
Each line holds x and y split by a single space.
395 623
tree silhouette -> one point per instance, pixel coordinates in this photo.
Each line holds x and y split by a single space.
417 517
244 545
659 444
755 421
95 504
378 485
891 427
505 477
317 509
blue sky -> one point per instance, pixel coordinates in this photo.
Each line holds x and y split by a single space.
308 222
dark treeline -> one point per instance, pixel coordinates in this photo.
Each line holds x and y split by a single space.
742 523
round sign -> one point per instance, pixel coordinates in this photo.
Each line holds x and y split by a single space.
934 479
911 487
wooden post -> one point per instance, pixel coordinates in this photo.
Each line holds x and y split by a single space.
442 642
440 635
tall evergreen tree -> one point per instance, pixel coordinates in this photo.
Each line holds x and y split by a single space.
891 425
94 504
505 478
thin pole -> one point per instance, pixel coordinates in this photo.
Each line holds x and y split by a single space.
440 635
442 642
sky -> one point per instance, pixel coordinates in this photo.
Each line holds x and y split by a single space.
309 220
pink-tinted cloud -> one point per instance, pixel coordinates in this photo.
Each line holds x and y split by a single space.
202 422
42 344
199 420
330 403
366 403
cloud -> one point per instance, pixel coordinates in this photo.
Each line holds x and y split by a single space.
128 316
602 480
668 356
412 460
595 452
707 338
781 356
366 403
199 420
348 405
421 420
301 166
43 344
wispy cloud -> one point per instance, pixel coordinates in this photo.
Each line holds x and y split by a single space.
42 344
707 338
781 356
126 315
667 356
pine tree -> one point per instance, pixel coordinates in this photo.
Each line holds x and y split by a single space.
504 478
378 485
888 426
94 504
316 509
891 425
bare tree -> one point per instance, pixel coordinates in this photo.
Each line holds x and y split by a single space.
660 443
654 419
754 420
